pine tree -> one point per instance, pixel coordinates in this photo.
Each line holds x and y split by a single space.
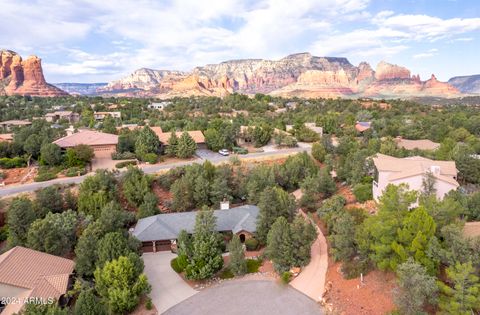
149 206
237 262
186 146
207 256
88 304
280 245
171 149
147 142
201 194
20 216
303 236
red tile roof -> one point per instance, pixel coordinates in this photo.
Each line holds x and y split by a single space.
88 137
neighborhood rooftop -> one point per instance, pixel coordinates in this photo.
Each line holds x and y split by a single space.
423 144
196 135
416 165
88 137
168 226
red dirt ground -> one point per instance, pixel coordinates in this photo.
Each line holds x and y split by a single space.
347 193
15 175
164 198
347 297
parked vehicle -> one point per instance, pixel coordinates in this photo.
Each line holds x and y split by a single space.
224 152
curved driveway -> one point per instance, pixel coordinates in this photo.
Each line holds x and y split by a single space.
149 169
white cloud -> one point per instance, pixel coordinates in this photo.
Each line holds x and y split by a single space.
430 53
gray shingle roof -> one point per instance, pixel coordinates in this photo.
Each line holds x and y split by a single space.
167 226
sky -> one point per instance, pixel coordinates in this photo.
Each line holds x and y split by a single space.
103 40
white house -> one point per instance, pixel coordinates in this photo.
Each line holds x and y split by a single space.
412 171
159 106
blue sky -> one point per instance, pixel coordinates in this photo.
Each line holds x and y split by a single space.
98 41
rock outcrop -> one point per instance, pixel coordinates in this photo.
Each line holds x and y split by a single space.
467 84
24 77
300 75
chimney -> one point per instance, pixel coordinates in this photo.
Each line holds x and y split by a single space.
225 204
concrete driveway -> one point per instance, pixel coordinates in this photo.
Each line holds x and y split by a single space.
168 288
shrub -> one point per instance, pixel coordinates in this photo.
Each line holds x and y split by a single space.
354 267
182 261
253 265
239 150
13 162
251 244
151 158
45 175
75 171
363 192
148 304
175 265
286 276
226 274
123 156
234 160
125 164
3 233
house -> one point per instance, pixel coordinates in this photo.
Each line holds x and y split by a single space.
128 126
159 106
362 126
8 124
102 115
68 115
412 171
6 137
196 135
160 232
30 275
312 126
471 229
103 144
423 144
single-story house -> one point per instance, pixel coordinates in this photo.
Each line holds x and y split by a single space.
362 126
412 171
160 232
196 135
471 229
102 115
103 144
159 106
423 144
70 116
8 124
30 275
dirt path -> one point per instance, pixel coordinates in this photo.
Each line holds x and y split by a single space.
311 280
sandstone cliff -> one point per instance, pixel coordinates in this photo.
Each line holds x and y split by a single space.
467 84
24 77
300 75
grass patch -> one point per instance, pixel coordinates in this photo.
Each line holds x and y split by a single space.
253 265
226 274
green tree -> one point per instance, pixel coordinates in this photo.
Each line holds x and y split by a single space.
89 304
319 152
55 234
109 125
96 191
303 235
135 184
326 185
274 203
84 153
121 285
207 255
20 216
258 180
463 296
49 199
32 145
171 149
147 142
43 309
342 235
415 288
149 206
237 263
280 245
86 255
261 134
112 246
186 146
51 154
201 193
182 192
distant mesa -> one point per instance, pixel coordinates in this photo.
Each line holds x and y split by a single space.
24 77
467 84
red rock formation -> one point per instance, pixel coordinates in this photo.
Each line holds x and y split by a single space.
24 77
387 71
365 72
435 87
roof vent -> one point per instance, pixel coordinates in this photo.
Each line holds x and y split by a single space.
435 169
225 204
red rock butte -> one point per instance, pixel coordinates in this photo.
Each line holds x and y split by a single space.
24 77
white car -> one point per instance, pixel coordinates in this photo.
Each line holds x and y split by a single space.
224 152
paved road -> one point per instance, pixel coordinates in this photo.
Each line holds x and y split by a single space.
240 297
149 169
168 288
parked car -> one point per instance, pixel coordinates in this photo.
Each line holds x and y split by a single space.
224 152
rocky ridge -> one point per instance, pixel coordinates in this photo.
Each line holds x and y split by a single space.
467 84
24 77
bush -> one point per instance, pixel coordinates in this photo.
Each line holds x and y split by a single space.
45 175
123 156
251 244
75 171
226 274
3 233
234 160
354 267
182 261
151 158
13 162
175 265
363 192
125 164
148 304
239 150
253 265
286 276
